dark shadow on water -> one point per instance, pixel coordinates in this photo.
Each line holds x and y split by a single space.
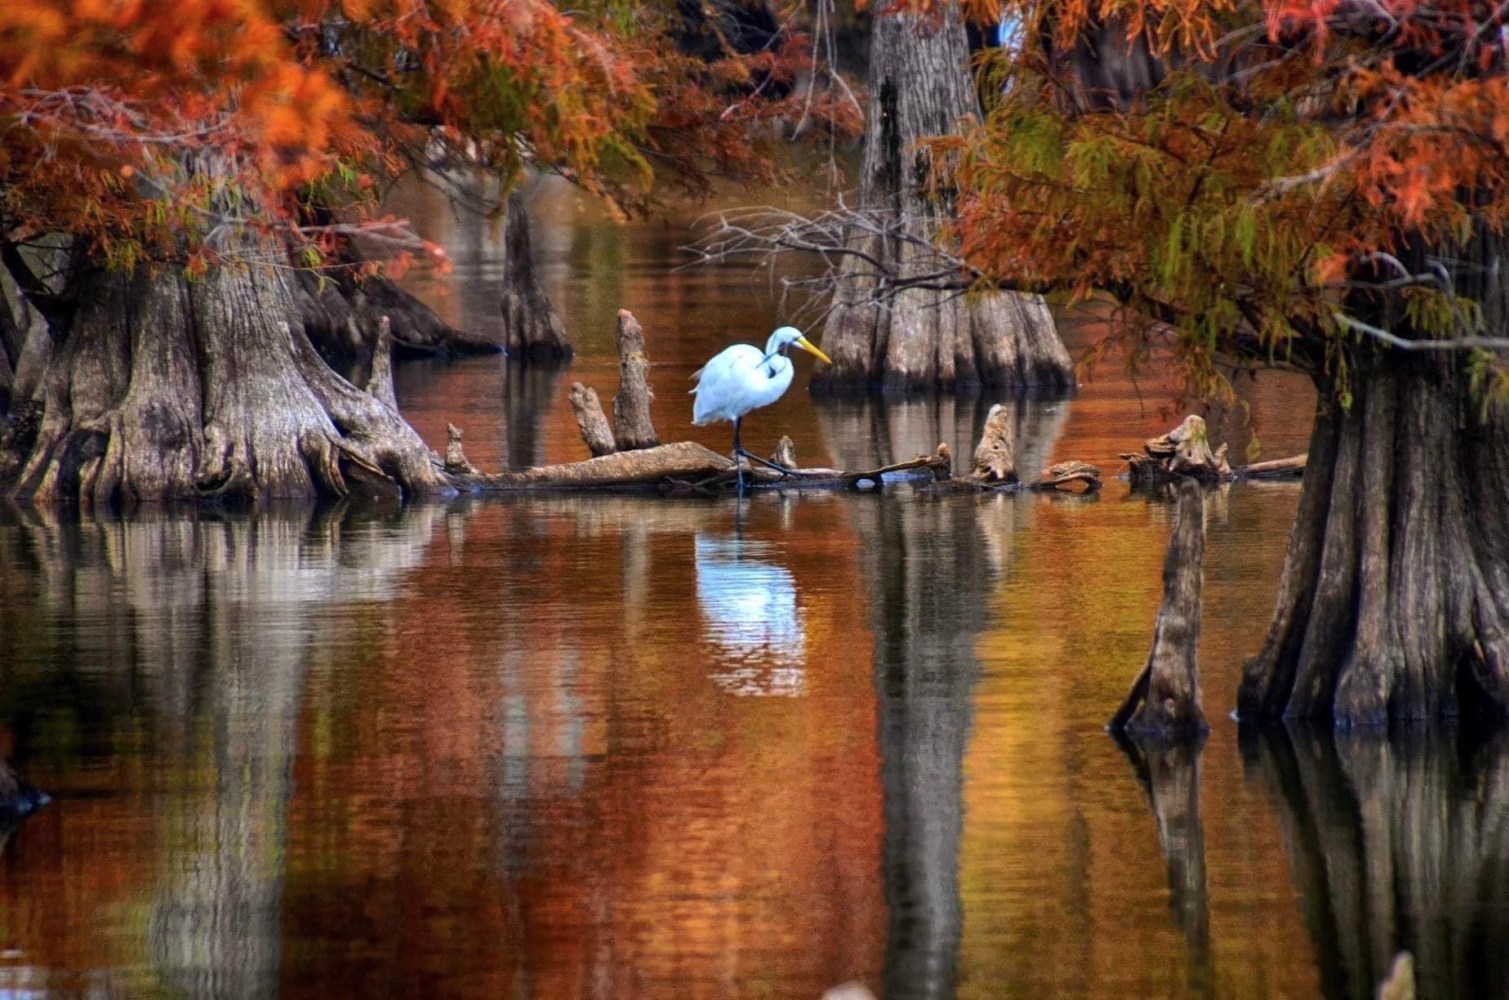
529 388
1398 843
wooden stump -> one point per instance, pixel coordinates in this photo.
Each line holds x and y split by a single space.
591 421
456 461
380 379
1183 451
1165 699
994 462
632 427
531 327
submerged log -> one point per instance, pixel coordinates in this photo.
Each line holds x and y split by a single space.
632 427
1164 700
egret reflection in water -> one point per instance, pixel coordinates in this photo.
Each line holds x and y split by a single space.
749 610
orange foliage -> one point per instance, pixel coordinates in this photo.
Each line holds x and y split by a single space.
1279 164
135 124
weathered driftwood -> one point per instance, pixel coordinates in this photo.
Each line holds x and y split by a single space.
785 452
1186 451
591 421
684 461
1164 700
455 459
1279 468
1183 451
531 327
632 427
1069 474
994 461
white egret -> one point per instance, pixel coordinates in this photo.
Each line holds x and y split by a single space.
742 378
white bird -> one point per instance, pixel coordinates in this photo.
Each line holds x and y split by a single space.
743 378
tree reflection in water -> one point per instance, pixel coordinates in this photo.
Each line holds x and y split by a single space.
1397 844
1169 773
205 643
931 564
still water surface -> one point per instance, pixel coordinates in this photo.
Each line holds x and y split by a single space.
633 747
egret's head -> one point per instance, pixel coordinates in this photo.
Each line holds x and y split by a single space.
790 336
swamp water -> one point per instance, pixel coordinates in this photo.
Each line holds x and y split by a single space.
635 747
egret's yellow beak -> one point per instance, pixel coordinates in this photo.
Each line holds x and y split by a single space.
811 348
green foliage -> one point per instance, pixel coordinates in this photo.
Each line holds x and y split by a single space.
1276 175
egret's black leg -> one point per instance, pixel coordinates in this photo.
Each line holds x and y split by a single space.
738 450
777 466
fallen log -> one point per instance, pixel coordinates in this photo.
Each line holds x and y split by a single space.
643 468
1278 468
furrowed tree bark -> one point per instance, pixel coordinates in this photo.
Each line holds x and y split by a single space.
1394 600
632 427
166 388
1164 701
920 86
531 327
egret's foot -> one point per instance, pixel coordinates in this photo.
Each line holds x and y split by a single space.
783 470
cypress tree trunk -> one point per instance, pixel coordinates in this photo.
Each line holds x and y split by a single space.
169 388
920 86
1394 600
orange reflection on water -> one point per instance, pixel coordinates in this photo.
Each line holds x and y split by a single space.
572 800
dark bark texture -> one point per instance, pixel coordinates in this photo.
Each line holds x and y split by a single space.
920 86
531 327
1164 701
1394 600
